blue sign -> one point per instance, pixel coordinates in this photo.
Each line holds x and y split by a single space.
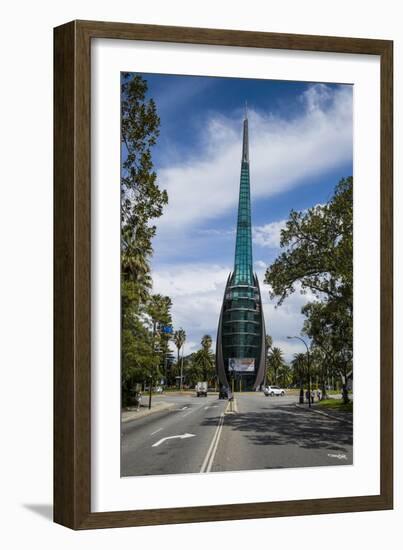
167 330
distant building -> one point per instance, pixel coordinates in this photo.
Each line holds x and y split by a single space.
240 353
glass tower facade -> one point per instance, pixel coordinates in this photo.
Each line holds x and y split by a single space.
240 351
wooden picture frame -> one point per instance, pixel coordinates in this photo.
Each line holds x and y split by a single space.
72 269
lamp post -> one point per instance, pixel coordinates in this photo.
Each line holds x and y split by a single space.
152 368
308 365
181 381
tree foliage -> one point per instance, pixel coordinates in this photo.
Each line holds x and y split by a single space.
142 201
200 365
318 256
204 359
179 341
318 251
276 363
299 366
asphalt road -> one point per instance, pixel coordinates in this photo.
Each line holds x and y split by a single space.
265 432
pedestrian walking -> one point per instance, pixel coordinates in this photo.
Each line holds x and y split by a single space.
139 398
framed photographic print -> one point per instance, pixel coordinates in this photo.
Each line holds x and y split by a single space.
223 275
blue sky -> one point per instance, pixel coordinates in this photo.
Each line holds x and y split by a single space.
300 146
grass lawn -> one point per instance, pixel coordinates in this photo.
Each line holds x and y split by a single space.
335 405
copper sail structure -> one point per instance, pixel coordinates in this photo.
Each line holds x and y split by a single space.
240 352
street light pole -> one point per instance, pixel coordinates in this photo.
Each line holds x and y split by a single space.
151 373
308 365
181 381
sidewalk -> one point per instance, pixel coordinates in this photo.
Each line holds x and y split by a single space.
133 413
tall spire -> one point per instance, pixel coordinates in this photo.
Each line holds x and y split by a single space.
241 328
245 145
243 268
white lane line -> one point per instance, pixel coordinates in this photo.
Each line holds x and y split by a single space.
156 431
183 436
187 414
208 459
183 408
210 464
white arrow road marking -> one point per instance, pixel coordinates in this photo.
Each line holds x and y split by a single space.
183 436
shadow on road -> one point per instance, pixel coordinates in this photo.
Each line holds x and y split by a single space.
287 426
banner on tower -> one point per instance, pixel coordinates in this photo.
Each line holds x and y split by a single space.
241 365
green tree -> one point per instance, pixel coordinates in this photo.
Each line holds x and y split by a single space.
330 327
192 369
141 198
285 375
179 341
204 359
318 256
268 344
318 250
206 342
137 357
141 202
159 310
299 365
276 361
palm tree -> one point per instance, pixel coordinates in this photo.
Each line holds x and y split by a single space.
268 344
206 342
285 375
204 358
158 307
135 253
179 340
276 361
298 364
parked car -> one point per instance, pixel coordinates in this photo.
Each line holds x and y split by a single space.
201 389
273 390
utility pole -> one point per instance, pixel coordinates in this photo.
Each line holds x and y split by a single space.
152 367
181 385
166 367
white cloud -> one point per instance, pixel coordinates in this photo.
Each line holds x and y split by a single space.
268 235
283 153
197 292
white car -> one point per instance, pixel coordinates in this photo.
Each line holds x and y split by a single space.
273 390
